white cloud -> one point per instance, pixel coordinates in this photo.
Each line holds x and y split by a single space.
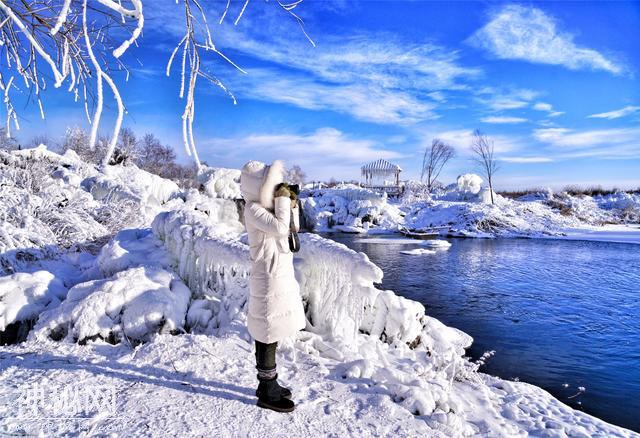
605 143
370 77
526 160
461 139
506 104
616 114
502 119
528 34
499 99
369 103
541 106
322 154
385 72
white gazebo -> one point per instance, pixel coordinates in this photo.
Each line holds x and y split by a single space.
382 175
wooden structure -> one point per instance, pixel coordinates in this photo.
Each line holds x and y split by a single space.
383 176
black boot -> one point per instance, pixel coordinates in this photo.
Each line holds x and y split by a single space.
271 397
284 392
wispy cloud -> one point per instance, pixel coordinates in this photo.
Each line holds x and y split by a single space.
365 103
461 139
499 99
616 114
372 78
502 119
526 160
528 34
324 153
605 143
389 78
547 107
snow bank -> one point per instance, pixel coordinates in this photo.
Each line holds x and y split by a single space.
131 248
132 305
54 202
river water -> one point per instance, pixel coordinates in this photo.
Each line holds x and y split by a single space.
559 314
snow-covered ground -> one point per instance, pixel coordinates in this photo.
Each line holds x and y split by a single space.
158 315
464 209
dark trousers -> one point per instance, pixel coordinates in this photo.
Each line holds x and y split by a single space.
266 359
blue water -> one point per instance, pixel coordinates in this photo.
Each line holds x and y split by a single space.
556 312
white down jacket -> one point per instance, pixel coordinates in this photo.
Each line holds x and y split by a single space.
275 305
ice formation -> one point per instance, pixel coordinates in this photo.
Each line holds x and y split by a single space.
469 183
220 182
324 209
436 244
418 251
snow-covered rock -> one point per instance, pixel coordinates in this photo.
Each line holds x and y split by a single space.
132 304
485 196
23 296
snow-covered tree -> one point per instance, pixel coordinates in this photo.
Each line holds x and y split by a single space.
296 175
152 156
37 140
77 140
6 142
80 43
127 147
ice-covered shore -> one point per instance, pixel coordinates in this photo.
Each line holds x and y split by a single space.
159 313
464 209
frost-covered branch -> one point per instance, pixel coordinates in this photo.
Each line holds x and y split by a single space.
72 41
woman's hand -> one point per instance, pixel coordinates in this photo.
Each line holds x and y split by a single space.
283 190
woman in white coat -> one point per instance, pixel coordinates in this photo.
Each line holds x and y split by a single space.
275 306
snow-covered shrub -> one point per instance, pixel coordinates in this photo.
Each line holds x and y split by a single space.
213 265
415 191
132 305
348 208
52 202
220 182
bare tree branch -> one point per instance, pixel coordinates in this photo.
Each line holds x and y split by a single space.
434 159
483 149
80 42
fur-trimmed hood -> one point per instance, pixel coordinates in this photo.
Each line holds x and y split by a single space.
258 181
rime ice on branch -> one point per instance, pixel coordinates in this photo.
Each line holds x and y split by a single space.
73 38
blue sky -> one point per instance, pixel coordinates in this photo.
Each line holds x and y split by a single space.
555 84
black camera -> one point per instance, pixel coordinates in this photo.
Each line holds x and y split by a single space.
294 188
